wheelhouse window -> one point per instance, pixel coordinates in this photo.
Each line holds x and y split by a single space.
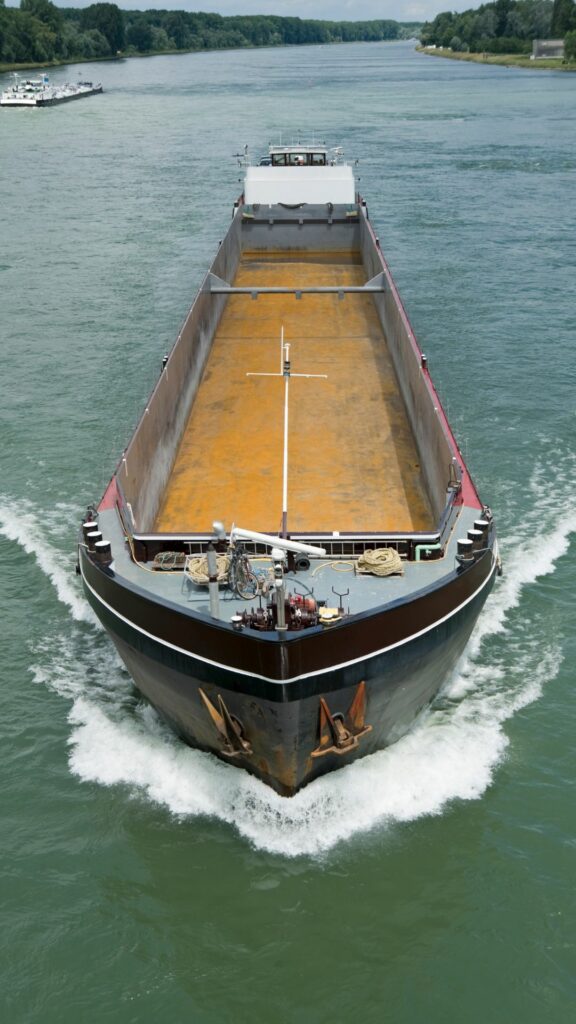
298 159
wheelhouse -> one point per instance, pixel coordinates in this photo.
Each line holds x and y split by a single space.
297 157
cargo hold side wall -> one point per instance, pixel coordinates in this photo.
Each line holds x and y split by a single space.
145 469
432 443
309 228
148 460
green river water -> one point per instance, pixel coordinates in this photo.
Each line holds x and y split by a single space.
142 881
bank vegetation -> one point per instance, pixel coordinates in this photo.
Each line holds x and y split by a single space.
39 33
503 32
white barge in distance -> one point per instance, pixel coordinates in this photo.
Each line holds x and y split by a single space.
297 405
37 92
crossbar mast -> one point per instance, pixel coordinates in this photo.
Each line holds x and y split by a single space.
285 372
376 286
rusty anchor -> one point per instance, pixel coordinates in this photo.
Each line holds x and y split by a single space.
229 728
340 734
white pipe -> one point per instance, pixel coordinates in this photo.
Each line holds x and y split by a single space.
285 467
213 582
275 542
280 599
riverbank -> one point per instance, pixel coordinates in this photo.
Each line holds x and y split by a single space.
34 66
508 60
31 66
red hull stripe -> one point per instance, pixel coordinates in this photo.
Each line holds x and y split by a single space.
110 496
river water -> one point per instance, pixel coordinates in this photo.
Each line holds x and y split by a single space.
434 881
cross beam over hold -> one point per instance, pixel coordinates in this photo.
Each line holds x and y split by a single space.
377 284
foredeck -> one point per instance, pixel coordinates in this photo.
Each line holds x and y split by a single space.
353 464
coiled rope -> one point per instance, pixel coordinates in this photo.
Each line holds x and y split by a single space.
197 569
169 561
380 562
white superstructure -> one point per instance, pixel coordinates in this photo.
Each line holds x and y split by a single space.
37 92
24 93
300 173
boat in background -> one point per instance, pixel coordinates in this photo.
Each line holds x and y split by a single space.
297 403
37 92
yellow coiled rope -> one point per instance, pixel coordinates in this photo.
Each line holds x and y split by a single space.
197 569
380 562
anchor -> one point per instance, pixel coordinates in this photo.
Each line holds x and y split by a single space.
229 728
340 734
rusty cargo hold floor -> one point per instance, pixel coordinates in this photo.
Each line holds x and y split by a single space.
353 465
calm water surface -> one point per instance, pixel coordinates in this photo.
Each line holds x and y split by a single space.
142 880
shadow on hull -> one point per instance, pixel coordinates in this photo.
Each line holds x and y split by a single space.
287 743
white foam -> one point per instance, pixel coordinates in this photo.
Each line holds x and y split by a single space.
534 545
20 522
524 563
451 754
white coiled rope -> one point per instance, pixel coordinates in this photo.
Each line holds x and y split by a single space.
380 562
197 569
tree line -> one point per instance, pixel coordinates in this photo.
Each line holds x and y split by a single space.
506 26
40 32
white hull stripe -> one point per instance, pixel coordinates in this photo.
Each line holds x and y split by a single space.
305 675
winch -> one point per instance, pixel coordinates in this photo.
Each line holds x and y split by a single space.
300 612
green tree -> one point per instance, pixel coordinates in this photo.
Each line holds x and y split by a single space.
108 19
502 9
38 30
563 18
570 45
160 39
515 26
45 11
94 44
506 26
139 35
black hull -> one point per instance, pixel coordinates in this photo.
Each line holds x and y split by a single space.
67 99
292 695
55 101
281 717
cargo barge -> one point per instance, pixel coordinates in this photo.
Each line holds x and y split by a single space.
291 554
37 92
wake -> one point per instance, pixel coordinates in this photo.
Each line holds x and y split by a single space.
36 534
451 754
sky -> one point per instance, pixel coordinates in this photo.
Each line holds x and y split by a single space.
331 10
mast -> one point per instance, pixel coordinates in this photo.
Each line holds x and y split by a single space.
286 373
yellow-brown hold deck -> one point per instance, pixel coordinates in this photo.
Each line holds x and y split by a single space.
353 464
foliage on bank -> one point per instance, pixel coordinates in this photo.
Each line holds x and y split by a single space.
506 26
40 32
570 45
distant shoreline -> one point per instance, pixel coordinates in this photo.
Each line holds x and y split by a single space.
507 60
6 68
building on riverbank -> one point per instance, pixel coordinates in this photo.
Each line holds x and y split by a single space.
547 48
